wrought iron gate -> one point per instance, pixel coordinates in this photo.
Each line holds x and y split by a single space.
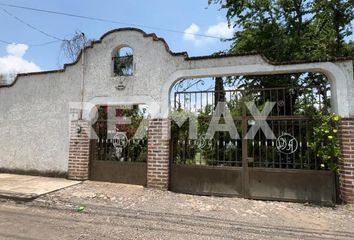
116 156
283 168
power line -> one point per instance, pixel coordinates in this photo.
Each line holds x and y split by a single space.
44 44
35 28
32 45
5 42
31 26
106 20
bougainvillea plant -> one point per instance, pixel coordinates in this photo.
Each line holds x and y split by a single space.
325 142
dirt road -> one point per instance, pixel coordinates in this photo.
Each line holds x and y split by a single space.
114 211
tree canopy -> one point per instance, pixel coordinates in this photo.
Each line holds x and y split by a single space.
285 30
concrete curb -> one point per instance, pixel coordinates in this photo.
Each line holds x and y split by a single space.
18 196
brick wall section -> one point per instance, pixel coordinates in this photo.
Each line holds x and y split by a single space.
158 154
346 165
79 151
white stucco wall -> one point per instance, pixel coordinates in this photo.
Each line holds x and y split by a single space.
34 112
34 121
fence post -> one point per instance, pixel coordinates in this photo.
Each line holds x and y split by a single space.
79 150
346 164
158 154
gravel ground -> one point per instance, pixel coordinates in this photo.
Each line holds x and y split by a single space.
96 210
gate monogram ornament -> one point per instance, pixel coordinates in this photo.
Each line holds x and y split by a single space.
201 142
286 143
120 141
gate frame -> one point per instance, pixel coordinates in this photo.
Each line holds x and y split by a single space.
158 142
339 73
297 184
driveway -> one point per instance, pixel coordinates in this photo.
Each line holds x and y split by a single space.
27 187
95 210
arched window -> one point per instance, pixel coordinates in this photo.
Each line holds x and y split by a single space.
123 62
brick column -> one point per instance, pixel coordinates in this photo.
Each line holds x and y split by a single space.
346 164
79 150
158 154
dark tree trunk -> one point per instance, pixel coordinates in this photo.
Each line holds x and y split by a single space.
220 97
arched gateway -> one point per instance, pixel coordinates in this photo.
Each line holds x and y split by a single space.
58 121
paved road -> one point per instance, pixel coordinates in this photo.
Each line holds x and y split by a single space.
124 212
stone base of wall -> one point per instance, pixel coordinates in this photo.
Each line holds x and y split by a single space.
79 150
346 165
34 172
158 158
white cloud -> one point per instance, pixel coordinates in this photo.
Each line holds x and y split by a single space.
18 49
219 30
14 62
192 29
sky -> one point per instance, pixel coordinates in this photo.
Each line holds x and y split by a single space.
183 15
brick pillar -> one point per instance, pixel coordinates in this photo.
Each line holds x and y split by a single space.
158 154
346 164
79 150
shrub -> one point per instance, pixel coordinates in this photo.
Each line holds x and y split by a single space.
325 142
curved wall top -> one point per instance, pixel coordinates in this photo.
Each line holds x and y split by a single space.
157 68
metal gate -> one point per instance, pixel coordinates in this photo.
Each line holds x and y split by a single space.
281 168
116 155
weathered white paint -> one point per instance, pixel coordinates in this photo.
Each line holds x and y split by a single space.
34 112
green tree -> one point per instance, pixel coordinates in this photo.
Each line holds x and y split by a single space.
287 30
292 30
333 23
